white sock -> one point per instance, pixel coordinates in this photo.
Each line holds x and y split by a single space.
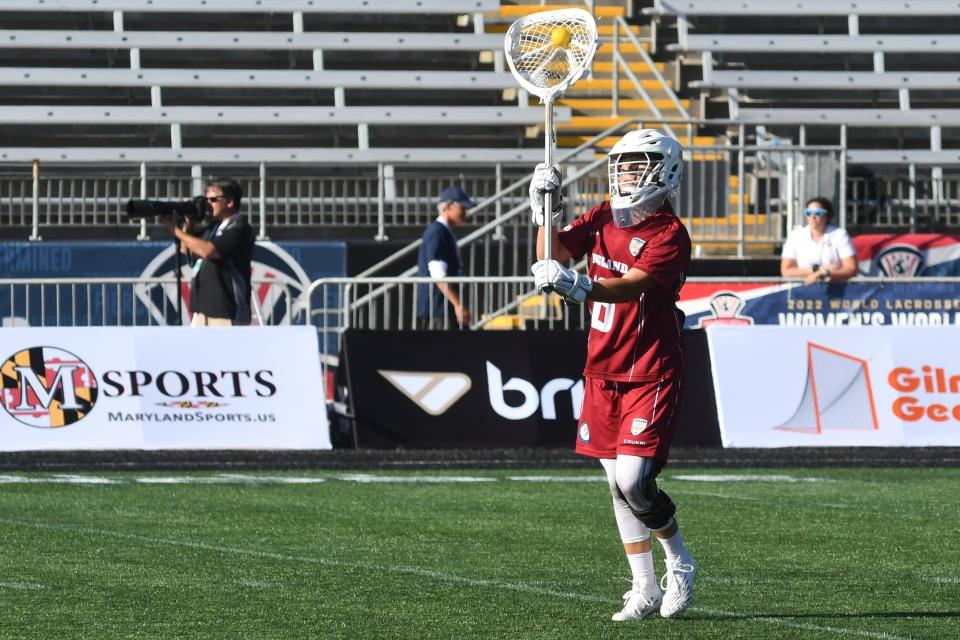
641 564
675 549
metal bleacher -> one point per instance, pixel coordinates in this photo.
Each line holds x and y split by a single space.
346 116
838 61
881 79
306 77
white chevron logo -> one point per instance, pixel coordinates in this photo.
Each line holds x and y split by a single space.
432 391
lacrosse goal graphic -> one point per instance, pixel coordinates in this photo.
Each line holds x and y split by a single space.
837 395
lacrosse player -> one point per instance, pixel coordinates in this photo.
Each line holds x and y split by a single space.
637 254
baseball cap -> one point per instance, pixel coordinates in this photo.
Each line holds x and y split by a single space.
456 194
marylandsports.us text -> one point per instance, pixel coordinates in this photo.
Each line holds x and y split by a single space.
196 416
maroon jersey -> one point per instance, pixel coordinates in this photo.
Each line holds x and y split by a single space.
639 340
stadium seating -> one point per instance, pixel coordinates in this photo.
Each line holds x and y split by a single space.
873 66
310 74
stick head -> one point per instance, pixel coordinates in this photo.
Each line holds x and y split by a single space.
549 51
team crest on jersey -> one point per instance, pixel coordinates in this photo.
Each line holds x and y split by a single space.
636 246
637 426
584 433
900 261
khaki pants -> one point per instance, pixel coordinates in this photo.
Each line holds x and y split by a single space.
201 320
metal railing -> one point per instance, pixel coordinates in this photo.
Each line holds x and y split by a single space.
99 302
371 197
495 303
380 199
911 201
404 303
620 62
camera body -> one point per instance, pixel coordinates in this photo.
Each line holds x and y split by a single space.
197 210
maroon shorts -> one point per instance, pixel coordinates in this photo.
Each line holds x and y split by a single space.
629 418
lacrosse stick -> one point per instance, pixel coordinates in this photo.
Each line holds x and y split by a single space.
547 53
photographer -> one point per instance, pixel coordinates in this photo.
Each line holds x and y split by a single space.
221 255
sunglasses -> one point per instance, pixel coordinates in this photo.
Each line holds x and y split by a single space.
214 198
815 212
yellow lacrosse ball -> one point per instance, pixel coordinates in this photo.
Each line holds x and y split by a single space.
561 36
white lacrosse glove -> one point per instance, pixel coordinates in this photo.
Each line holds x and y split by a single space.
550 275
545 179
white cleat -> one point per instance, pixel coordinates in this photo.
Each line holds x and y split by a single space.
638 604
678 590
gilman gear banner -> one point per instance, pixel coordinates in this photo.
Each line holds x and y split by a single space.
161 388
836 386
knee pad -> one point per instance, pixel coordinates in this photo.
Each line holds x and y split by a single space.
637 481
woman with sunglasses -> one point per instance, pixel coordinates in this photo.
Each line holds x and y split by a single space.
819 251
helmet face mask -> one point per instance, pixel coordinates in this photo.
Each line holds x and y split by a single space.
643 169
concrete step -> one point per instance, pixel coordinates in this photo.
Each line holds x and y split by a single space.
604 86
605 32
605 144
518 10
601 106
605 48
712 248
636 67
590 123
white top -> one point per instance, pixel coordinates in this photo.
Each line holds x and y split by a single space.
438 268
830 251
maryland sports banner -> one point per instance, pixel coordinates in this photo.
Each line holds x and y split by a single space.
838 386
161 388
866 301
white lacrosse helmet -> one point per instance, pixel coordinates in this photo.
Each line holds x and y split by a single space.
644 168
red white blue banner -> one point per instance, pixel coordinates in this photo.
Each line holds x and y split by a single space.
908 255
838 386
873 302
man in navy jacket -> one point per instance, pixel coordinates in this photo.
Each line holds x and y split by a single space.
440 306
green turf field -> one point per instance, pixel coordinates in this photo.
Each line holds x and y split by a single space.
796 553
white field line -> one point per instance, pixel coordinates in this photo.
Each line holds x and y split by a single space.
229 478
845 506
57 479
22 586
741 477
598 477
364 478
439 576
368 478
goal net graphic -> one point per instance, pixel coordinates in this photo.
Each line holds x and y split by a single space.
837 395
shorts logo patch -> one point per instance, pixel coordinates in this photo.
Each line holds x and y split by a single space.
584 433
637 426
636 246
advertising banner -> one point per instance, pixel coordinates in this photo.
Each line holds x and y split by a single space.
908 255
161 388
838 386
919 303
450 389
283 271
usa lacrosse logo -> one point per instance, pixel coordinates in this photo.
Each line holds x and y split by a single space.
726 307
47 388
584 433
900 261
280 286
